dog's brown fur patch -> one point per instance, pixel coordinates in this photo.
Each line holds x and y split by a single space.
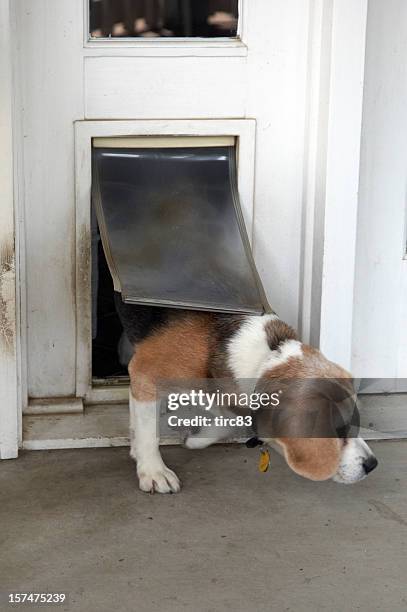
277 332
175 352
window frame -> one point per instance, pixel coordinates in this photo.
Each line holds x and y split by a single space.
190 46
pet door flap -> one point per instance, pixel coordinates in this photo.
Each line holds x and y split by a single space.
172 227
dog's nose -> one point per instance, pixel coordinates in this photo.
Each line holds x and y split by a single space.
370 464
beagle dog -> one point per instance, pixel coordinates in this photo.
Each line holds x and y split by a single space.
171 344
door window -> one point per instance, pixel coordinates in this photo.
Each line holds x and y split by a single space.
163 18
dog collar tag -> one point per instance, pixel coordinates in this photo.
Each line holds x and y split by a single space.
264 460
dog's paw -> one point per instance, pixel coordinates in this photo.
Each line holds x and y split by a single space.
194 442
158 480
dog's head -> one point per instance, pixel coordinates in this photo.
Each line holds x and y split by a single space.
316 423
344 461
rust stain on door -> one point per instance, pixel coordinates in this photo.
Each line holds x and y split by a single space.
7 297
83 283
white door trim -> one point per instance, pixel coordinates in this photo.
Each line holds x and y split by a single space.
336 79
10 413
380 339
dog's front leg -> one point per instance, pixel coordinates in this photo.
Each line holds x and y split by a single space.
152 472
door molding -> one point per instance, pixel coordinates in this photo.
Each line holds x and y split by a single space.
10 412
331 174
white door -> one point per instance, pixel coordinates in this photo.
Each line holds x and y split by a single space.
380 301
65 75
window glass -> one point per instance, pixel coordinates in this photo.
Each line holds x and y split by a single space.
163 18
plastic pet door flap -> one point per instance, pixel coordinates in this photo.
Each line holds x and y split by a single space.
171 223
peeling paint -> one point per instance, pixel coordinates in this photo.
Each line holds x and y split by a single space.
83 283
7 297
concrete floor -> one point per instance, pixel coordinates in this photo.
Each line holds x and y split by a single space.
234 539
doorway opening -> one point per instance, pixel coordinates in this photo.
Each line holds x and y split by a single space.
108 340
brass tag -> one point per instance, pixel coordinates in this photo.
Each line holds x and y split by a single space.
264 461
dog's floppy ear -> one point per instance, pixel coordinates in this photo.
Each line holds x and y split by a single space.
313 458
305 423
307 408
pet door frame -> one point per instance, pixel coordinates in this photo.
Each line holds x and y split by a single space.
243 130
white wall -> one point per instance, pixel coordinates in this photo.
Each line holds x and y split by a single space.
9 397
380 299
